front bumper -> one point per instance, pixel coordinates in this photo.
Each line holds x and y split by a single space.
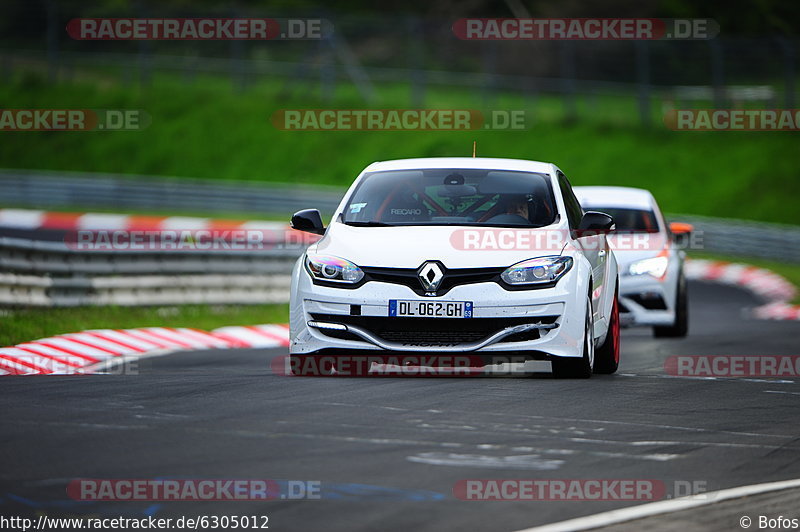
539 323
645 300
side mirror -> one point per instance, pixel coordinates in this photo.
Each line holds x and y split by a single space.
595 223
680 228
308 220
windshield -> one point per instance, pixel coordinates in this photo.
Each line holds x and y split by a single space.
498 198
631 220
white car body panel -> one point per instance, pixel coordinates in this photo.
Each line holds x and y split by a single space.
625 249
408 247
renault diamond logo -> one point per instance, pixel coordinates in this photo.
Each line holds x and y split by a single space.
431 275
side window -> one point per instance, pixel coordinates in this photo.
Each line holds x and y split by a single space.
574 210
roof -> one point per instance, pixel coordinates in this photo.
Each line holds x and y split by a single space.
462 162
620 197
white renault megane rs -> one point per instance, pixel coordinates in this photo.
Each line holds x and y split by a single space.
490 259
653 286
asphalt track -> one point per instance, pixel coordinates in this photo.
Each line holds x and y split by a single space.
388 451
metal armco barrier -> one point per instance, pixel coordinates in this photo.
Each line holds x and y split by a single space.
56 258
744 238
43 291
39 273
53 190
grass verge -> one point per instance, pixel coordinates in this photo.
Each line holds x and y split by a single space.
206 130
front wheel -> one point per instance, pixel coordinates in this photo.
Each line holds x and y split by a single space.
578 367
681 325
606 357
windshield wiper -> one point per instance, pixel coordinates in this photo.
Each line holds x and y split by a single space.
368 224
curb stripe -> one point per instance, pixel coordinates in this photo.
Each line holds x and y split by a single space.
24 363
187 338
68 221
21 218
144 223
250 337
101 335
167 338
44 350
211 339
120 336
232 340
63 360
270 335
58 347
36 361
147 336
10 370
208 340
60 220
73 353
761 282
91 343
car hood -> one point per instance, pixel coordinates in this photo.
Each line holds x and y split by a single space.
410 246
628 248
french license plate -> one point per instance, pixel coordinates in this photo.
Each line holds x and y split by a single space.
430 309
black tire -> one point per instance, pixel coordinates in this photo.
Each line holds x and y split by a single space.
606 357
680 328
574 367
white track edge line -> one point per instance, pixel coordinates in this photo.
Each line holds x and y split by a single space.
631 513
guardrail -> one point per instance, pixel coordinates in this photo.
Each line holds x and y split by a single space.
43 291
57 259
744 238
39 273
39 189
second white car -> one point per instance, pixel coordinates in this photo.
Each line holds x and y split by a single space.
653 289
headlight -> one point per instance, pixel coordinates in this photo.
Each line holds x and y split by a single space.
333 269
537 271
655 266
